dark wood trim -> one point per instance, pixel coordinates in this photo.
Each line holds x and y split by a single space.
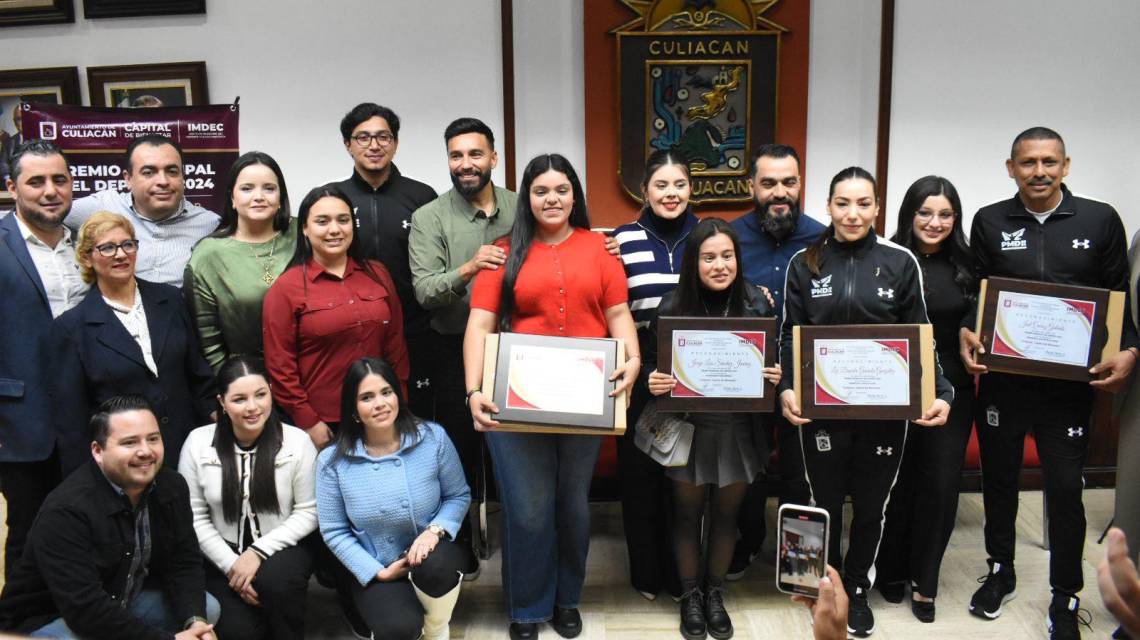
886 75
507 24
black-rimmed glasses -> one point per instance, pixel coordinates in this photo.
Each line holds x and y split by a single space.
109 249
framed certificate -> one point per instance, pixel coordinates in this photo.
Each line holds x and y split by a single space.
1046 329
718 363
551 384
864 372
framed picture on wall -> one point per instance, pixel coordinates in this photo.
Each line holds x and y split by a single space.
175 84
24 12
57 85
128 8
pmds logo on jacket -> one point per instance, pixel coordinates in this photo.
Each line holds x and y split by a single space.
821 288
1014 240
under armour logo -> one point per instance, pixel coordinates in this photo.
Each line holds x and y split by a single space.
1076 432
884 451
420 384
889 294
1081 244
405 224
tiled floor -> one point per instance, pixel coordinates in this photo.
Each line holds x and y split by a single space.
612 610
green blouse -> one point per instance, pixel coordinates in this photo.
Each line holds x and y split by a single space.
226 281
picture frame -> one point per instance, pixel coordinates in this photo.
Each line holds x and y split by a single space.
172 84
1011 347
131 8
21 13
501 349
714 366
58 85
863 377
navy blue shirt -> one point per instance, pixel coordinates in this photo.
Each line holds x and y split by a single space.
765 259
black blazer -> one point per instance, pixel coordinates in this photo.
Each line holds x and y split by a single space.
95 359
78 556
26 434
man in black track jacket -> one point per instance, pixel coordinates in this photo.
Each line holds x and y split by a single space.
1044 233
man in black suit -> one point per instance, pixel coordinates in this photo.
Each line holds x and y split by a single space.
39 281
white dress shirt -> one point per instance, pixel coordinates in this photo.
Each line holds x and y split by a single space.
58 270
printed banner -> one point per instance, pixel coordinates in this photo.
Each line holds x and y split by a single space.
95 141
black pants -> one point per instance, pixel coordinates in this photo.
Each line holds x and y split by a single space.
793 485
859 458
924 502
281 584
451 411
646 510
392 610
422 367
1058 413
25 485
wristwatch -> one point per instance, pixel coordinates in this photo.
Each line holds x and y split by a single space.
437 530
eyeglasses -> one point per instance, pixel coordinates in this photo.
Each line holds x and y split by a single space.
109 249
383 138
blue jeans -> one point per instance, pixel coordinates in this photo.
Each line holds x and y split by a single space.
149 606
544 486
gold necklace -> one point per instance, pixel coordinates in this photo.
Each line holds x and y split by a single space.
266 261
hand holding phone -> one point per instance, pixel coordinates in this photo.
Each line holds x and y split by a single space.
802 541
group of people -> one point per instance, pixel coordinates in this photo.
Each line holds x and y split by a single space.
335 359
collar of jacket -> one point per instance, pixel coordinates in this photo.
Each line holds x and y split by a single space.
859 247
647 222
360 183
406 444
114 500
1065 208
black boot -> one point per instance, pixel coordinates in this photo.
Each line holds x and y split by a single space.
716 617
692 612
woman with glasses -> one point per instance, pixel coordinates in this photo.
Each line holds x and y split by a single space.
230 271
924 502
851 276
127 336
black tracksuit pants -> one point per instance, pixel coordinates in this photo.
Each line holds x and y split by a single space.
859 458
924 502
1058 413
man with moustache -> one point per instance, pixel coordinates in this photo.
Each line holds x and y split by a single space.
384 200
113 553
39 280
1044 233
451 242
166 223
770 235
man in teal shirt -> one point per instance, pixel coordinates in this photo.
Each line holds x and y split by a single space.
451 241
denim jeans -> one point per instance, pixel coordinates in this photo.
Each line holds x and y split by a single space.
149 606
544 486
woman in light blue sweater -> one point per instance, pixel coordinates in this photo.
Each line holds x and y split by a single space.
390 498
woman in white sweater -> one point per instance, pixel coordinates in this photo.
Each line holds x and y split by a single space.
251 484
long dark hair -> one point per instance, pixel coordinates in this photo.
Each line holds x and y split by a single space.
351 430
956 246
814 252
262 482
522 233
689 286
229 224
304 249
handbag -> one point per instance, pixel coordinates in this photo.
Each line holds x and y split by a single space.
666 437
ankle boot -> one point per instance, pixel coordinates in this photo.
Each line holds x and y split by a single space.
437 611
716 617
692 613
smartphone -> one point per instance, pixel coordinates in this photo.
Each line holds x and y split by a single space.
801 559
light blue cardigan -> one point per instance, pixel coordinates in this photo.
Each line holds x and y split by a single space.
371 509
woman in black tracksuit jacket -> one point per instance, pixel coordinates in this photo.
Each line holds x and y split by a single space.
851 276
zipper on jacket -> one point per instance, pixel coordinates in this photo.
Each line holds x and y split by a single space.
1041 249
849 286
668 249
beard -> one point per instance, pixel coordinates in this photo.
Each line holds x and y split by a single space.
469 190
776 225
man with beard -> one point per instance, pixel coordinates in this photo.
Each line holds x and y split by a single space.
40 280
450 243
384 200
769 236
1046 233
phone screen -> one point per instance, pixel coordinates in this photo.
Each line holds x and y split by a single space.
802 559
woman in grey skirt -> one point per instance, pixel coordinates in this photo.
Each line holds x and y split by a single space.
728 450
